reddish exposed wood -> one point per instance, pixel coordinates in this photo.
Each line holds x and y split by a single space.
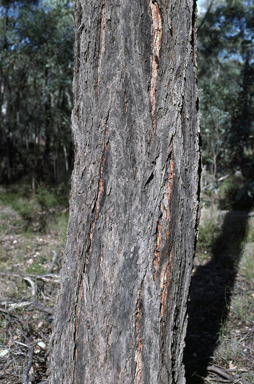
138 359
139 348
164 285
165 220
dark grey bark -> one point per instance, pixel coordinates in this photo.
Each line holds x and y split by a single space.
121 312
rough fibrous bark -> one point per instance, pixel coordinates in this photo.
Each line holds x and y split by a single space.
121 312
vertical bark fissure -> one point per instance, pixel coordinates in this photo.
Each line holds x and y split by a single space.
166 267
139 347
164 286
99 195
158 247
168 191
156 46
163 224
97 207
102 46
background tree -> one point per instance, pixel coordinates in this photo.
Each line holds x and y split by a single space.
36 41
121 313
226 74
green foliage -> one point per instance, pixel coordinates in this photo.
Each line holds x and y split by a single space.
250 235
248 268
228 193
234 196
60 226
241 306
36 268
50 197
45 197
25 208
45 210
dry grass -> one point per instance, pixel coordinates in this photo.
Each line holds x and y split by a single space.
221 311
29 233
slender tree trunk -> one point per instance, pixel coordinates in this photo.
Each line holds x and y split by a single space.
214 172
8 157
65 158
121 312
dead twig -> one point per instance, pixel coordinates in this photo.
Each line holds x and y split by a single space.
9 313
30 360
42 308
34 294
51 267
219 180
8 374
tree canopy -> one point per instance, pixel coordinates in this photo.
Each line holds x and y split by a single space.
36 59
36 64
226 77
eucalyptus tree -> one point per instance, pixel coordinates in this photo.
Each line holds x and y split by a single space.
121 314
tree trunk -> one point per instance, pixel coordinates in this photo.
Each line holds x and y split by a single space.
121 312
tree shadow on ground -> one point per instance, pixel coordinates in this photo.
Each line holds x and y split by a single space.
210 296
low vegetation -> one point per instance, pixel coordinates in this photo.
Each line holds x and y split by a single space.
32 236
219 341
220 337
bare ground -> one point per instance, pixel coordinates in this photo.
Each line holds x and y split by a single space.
220 336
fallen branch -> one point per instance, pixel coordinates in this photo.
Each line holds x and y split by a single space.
38 306
48 277
30 281
221 372
221 380
18 305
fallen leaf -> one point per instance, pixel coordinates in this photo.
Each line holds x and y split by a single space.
3 352
231 365
42 345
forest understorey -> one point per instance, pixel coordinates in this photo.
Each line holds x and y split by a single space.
220 336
